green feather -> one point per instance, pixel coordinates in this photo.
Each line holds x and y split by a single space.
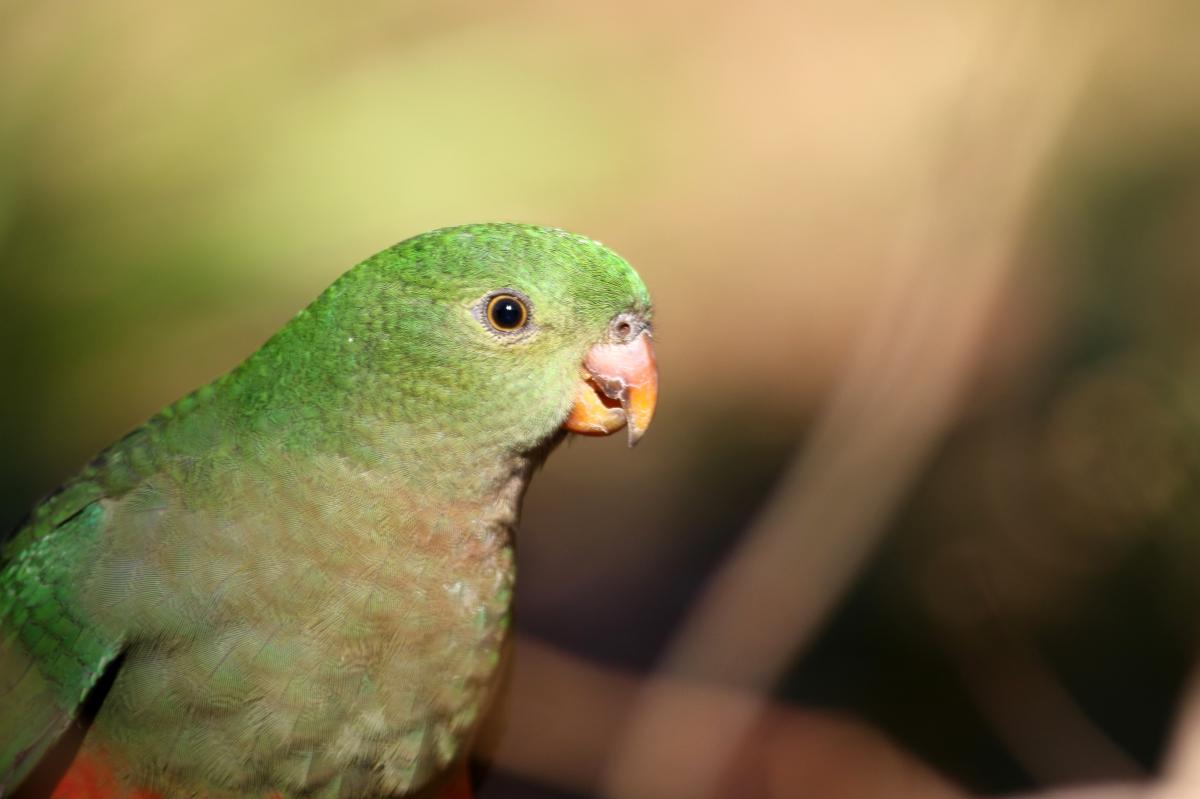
307 564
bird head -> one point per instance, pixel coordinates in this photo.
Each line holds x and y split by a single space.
499 335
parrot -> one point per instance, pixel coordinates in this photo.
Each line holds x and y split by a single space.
297 580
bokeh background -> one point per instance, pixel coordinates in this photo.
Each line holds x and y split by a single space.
927 282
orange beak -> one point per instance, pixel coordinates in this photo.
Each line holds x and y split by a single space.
619 388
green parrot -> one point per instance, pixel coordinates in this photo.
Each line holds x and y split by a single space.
297 580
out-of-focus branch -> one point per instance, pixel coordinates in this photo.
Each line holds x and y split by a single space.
564 716
1034 714
897 396
1182 774
1181 777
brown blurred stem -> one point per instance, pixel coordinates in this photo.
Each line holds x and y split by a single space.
899 393
565 715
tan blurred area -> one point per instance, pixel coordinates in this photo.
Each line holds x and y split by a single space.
919 510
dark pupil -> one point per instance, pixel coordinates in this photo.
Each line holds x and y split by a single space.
507 313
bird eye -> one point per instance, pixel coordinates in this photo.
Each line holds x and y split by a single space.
506 312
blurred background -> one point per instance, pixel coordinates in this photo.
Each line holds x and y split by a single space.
925 464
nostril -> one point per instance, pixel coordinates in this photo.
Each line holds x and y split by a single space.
624 329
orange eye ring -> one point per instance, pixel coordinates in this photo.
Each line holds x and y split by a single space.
507 313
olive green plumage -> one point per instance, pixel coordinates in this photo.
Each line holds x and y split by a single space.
305 567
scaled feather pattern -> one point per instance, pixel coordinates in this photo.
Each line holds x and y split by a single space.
302 572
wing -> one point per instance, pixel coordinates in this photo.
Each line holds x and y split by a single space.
50 656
